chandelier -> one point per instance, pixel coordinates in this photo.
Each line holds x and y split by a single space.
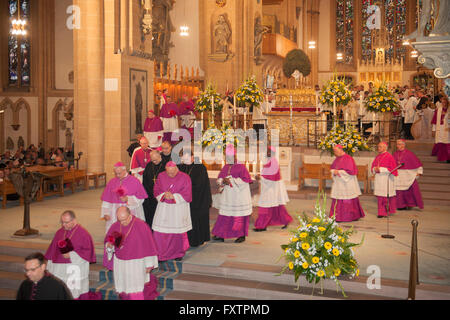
18 25
184 31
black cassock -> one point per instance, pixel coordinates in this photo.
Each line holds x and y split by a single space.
201 202
165 159
149 177
48 288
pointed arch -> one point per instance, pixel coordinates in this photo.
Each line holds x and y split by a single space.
19 104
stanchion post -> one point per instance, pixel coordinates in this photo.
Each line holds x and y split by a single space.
414 263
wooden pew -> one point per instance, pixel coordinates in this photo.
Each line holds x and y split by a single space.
74 177
6 188
96 176
310 171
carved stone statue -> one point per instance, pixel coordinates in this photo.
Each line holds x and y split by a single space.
138 106
162 27
442 26
259 31
21 142
222 35
68 138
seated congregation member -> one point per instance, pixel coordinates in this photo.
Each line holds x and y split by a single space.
122 190
41 284
383 168
407 188
273 197
172 221
71 248
234 201
201 200
345 190
130 252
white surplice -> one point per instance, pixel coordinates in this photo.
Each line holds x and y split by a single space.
345 187
134 204
74 274
172 218
235 201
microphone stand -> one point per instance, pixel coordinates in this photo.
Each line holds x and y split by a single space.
389 236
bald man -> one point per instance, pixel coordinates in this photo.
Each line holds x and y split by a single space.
151 172
383 168
131 253
140 158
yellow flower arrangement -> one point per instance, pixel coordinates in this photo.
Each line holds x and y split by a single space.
335 88
249 92
382 100
350 140
313 258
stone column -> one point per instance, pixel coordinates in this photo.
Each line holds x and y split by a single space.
89 82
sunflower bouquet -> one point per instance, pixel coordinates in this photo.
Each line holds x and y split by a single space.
320 249
335 88
220 137
250 93
382 100
348 138
205 99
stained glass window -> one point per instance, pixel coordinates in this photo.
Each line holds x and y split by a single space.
395 22
19 45
344 29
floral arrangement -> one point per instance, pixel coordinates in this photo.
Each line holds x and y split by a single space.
205 98
320 249
115 238
335 88
348 138
250 93
65 246
220 137
382 100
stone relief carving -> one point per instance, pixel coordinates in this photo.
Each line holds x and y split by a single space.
162 27
138 105
21 142
221 40
259 31
146 24
9 143
222 35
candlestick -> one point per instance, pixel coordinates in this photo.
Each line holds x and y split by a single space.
317 105
267 104
254 168
212 106
234 104
334 106
245 120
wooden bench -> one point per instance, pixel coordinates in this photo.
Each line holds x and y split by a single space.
74 177
310 171
96 176
6 188
361 176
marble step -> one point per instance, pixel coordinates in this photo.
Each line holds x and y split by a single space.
433 187
435 165
434 180
437 173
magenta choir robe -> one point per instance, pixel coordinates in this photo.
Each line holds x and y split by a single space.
129 261
172 218
234 203
273 197
139 161
387 164
407 188
129 186
153 131
82 255
187 116
169 116
345 191
441 148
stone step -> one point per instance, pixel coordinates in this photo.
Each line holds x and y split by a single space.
392 289
189 295
434 180
438 173
432 187
8 294
435 165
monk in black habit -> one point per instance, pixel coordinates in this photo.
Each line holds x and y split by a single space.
166 152
151 172
201 200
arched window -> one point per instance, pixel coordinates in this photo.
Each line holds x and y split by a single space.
395 23
19 43
344 29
